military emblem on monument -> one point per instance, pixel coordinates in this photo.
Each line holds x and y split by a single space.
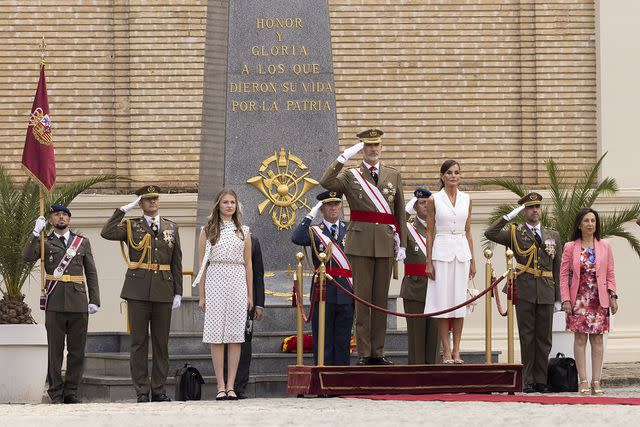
283 180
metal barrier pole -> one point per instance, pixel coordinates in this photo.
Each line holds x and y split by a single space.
322 257
298 283
487 307
510 325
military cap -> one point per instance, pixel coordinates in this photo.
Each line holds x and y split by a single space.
329 196
422 193
148 191
371 136
59 208
530 199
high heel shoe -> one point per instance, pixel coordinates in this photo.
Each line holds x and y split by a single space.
596 388
584 388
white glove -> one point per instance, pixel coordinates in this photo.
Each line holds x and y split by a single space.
177 300
41 223
127 208
557 306
313 213
514 213
93 309
350 152
401 254
409 208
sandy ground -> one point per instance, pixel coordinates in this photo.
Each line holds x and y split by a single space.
327 412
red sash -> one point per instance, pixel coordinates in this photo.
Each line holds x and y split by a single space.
415 270
339 272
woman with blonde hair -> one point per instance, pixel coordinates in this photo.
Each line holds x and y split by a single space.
226 293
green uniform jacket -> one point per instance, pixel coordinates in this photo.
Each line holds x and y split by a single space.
536 290
67 296
365 238
143 284
414 288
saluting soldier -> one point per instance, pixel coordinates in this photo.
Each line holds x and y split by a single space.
339 306
67 261
422 331
152 286
538 253
377 235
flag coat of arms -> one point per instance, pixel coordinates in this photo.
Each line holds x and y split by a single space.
38 157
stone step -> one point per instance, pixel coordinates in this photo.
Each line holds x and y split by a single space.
278 316
97 388
191 342
117 364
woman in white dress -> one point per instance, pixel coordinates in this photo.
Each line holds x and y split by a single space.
451 264
227 292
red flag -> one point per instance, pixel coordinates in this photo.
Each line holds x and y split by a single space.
38 158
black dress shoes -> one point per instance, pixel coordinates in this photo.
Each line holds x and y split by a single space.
543 388
56 400
162 397
71 398
242 395
143 398
529 388
363 361
379 361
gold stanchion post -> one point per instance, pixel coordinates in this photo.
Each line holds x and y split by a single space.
487 307
322 257
298 282
510 325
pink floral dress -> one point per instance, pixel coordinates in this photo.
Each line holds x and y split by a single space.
588 316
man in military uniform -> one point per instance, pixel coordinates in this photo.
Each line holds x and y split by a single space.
152 286
376 235
67 262
422 331
339 306
538 253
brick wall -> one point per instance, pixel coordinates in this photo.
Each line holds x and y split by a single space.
498 85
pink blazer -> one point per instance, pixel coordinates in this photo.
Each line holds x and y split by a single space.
604 271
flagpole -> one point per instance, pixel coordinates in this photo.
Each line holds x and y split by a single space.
42 272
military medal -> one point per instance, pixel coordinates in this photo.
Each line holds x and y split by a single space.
50 258
168 237
71 252
550 247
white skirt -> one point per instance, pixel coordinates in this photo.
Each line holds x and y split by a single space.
449 289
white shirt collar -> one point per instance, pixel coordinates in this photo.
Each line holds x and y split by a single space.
534 228
424 223
329 224
368 166
149 218
65 235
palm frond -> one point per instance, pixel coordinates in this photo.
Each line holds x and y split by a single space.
507 184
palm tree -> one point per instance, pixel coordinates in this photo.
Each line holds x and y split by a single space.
19 208
568 198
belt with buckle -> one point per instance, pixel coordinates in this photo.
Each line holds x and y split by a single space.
152 267
536 272
65 278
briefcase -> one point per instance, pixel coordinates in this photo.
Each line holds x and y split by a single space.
562 374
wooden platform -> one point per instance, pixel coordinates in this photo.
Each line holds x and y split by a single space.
404 379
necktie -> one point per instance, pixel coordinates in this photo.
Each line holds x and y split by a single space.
154 225
374 174
537 236
334 231
64 242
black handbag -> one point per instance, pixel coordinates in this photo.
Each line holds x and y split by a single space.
188 383
248 327
562 374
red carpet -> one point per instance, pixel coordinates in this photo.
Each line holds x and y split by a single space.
544 400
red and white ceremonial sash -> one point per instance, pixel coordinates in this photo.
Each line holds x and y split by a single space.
372 192
337 255
71 252
418 238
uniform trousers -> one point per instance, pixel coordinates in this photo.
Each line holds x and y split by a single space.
535 323
424 342
73 327
143 314
337 336
371 278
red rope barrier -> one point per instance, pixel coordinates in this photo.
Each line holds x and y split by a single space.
498 304
412 315
299 302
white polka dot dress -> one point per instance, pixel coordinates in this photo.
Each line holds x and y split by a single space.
226 288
